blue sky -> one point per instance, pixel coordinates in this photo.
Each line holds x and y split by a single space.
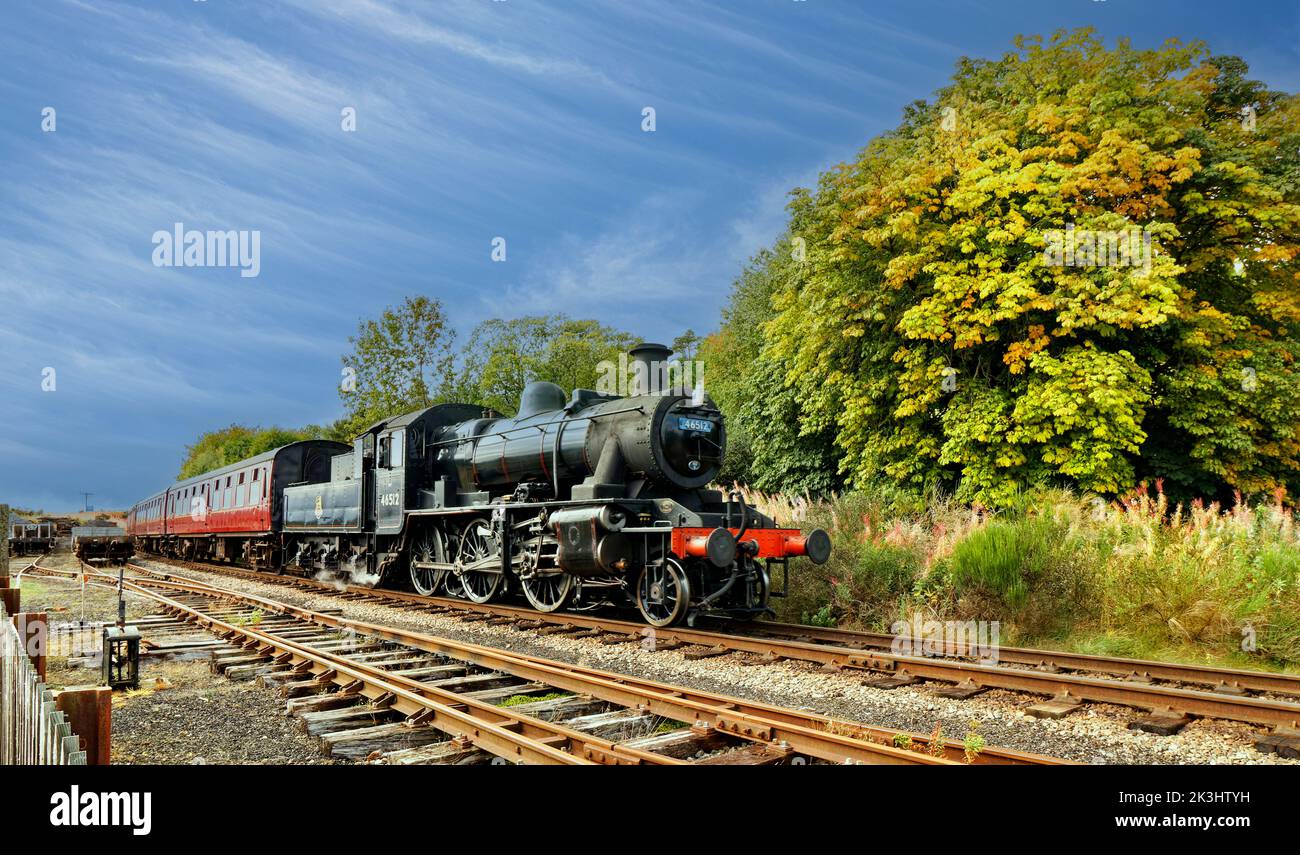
476 119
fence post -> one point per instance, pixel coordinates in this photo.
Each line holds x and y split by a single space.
90 712
10 597
34 630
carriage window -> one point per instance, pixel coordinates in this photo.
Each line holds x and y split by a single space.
256 472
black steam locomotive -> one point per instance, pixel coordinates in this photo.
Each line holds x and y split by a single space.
578 501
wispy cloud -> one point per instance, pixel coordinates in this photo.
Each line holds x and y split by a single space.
475 119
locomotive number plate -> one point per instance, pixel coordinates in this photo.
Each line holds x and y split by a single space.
701 425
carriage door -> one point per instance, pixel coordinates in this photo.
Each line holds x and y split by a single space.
390 481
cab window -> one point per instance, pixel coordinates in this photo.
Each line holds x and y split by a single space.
397 445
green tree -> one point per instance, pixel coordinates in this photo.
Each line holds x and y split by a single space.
687 345
232 444
932 330
771 443
400 362
503 356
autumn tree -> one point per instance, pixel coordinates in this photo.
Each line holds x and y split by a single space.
934 328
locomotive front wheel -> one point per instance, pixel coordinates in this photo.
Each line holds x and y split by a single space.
760 588
476 544
663 593
548 593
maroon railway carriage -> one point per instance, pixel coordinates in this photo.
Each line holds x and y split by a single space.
232 513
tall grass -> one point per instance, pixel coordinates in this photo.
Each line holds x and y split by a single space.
1133 576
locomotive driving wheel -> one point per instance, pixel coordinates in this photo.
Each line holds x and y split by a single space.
477 546
430 547
548 593
663 593
545 584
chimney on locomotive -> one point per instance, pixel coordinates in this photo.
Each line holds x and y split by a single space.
650 367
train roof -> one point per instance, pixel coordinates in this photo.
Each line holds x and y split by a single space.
439 415
236 466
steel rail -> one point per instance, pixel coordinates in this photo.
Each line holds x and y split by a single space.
793 731
1135 693
1237 678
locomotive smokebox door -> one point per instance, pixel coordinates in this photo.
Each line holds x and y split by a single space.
121 657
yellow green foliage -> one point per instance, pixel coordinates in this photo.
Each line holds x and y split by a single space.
927 327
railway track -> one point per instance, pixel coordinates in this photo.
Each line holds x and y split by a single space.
393 684
1168 694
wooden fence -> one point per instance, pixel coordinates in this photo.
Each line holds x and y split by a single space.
32 731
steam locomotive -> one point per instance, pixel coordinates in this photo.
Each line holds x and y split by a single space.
579 501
